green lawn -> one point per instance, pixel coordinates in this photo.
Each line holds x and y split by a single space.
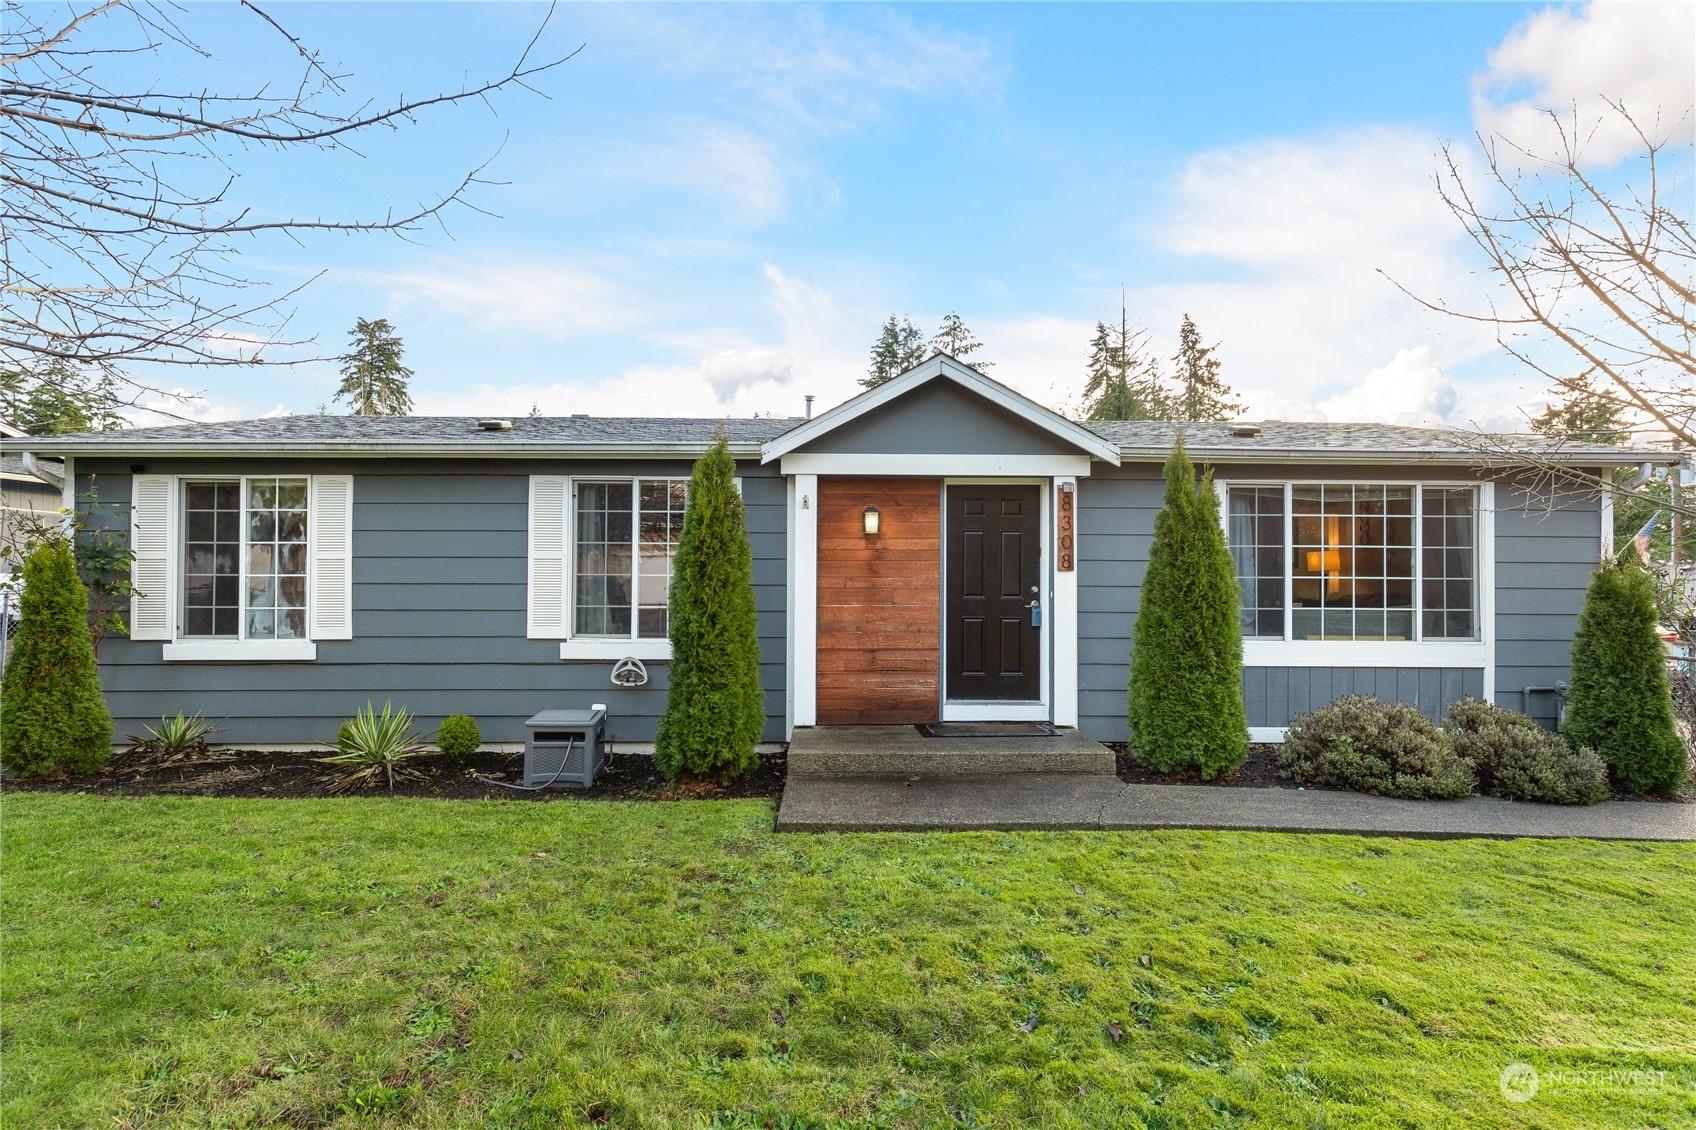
422 963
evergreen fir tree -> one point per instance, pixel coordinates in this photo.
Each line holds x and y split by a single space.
714 706
898 348
1185 699
374 382
1202 395
1586 414
60 398
1123 384
53 717
954 339
1620 704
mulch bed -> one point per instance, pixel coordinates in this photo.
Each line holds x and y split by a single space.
1260 771
248 773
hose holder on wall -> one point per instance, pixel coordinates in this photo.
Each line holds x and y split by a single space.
629 672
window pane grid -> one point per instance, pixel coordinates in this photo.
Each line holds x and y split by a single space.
660 526
244 558
212 558
1257 543
625 542
1448 588
1352 561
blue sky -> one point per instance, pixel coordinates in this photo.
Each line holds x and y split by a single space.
713 208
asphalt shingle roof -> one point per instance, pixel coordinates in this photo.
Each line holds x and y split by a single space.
1284 438
1276 441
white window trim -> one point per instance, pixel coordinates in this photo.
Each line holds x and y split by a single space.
224 649
1418 653
209 650
603 648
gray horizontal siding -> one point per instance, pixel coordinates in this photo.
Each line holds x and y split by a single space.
1116 509
439 595
1544 557
1275 695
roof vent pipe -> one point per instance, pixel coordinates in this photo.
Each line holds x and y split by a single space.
495 425
809 399
1246 431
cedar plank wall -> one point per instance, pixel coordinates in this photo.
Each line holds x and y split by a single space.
880 616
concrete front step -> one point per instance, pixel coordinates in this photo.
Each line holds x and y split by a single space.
901 751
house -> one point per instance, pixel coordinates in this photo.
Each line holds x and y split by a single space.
29 488
939 547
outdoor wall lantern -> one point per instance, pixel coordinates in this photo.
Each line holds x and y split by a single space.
871 518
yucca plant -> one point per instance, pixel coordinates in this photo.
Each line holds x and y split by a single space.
373 749
173 740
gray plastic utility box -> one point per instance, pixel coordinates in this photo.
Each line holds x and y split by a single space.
565 748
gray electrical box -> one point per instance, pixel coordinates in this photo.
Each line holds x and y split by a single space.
565 748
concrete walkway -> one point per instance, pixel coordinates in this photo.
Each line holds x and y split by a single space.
1035 801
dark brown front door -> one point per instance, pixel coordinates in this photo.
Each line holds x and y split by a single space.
994 650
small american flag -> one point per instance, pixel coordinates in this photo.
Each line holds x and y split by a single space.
1642 538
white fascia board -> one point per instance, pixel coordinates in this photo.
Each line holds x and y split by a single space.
687 451
938 466
962 374
1365 653
1358 457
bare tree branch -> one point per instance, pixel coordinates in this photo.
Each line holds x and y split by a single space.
122 214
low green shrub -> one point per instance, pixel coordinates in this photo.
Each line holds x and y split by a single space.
1367 746
1516 758
173 740
458 736
374 750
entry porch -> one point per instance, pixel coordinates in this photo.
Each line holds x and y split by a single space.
909 751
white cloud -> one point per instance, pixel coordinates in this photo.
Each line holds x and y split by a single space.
179 406
549 297
822 69
1292 245
1576 60
1412 389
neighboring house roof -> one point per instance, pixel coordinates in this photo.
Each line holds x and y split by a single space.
14 468
942 366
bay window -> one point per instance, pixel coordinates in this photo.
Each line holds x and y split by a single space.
1382 562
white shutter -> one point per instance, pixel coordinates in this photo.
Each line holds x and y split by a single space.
152 501
547 557
329 530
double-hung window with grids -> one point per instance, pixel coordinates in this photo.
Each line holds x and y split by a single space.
244 555
624 540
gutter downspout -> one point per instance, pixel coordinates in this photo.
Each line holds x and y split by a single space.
41 471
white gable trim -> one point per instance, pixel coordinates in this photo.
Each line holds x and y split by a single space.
942 366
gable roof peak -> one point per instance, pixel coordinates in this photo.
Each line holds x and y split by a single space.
937 366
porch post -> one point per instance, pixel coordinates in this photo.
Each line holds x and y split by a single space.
804 600
1065 603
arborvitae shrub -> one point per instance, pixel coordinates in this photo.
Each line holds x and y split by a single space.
53 717
1367 746
1185 700
458 736
1620 704
1516 758
714 706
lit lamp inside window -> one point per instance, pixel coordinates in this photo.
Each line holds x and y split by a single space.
1328 561
870 517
